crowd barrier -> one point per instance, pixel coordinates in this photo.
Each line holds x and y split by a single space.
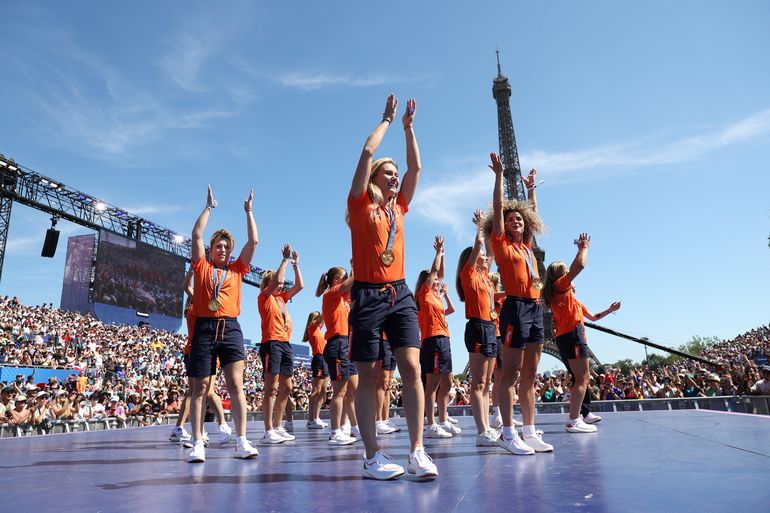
759 405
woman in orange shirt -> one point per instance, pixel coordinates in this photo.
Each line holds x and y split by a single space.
511 228
318 369
334 286
275 350
568 314
217 334
436 350
475 290
382 302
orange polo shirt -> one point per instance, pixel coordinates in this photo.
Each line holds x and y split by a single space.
567 311
476 287
369 230
276 321
335 307
511 258
316 340
229 293
431 316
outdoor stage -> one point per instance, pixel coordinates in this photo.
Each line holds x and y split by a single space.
691 460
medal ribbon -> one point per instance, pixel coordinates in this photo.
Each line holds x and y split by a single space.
217 284
282 307
392 234
528 259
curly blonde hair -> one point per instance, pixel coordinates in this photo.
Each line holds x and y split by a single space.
533 225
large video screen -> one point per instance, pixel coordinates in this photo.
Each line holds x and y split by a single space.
137 276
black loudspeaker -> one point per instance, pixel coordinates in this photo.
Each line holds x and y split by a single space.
51 240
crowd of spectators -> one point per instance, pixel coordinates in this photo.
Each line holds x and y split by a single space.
137 372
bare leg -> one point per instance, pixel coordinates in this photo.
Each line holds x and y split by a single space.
408 361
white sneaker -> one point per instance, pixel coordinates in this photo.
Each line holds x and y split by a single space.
421 464
495 433
289 426
245 451
381 467
497 422
285 434
435 431
225 434
272 437
591 418
579 426
197 455
340 438
537 443
451 420
516 423
451 428
315 424
395 427
188 444
355 432
486 439
180 435
515 445
383 428
346 429
205 439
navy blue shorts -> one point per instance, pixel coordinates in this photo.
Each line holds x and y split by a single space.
480 337
436 356
276 357
499 359
521 322
215 337
318 368
381 308
387 360
572 345
336 357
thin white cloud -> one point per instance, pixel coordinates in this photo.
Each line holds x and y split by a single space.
152 209
451 201
313 81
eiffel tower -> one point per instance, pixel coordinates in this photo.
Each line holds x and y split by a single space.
514 183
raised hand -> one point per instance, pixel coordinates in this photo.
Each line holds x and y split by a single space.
294 257
583 241
443 289
210 201
497 165
408 118
530 181
438 244
478 217
286 251
614 307
248 202
390 108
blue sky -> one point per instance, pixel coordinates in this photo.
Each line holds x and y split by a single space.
649 122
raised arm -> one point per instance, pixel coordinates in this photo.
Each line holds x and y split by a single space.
298 283
280 273
188 283
478 244
442 265
198 250
497 195
435 268
450 308
614 307
364 168
347 283
413 165
530 182
579 263
247 253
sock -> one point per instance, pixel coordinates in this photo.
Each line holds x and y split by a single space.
573 421
529 430
509 432
240 441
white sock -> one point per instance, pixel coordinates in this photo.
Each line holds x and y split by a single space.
573 421
529 430
509 432
241 439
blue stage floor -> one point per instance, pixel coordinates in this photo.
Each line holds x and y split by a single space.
667 461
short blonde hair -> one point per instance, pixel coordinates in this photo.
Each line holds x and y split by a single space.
222 234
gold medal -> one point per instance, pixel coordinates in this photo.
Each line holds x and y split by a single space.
387 257
214 305
493 315
537 284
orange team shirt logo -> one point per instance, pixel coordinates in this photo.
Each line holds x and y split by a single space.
511 258
477 289
369 231
566 309
430 316
276 322
335 308
229 293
